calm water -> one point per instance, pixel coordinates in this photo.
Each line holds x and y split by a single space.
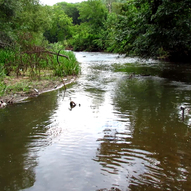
127 134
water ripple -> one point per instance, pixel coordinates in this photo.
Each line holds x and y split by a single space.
117 156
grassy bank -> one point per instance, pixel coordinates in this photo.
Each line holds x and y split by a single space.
23 73
19 88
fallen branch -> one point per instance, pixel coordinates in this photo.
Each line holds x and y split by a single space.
3 45
45 51
58 54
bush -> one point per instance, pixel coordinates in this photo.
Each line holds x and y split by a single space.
66 66
6 58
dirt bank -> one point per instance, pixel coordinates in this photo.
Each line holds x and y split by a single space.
31 88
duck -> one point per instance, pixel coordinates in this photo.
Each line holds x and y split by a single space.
72 104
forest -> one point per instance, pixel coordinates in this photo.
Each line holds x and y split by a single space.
30 31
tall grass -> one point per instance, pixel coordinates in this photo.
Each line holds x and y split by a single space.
2 88
6 57
21 63
18 87
66 66
35 62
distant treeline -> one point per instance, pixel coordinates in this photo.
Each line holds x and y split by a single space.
145 28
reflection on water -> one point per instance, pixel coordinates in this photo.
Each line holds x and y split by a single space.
23 128
153 149
123 134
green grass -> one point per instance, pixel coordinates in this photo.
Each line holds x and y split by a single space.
6 56
18 87
2 88
66 66
20 63
128 67
34 68
12 85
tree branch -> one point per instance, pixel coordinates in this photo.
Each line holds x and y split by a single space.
56 54
45 51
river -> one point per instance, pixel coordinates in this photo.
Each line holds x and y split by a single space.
127 131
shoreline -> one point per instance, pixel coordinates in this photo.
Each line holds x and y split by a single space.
43 87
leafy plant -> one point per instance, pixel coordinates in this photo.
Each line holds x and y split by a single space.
2 88
6 58
66 66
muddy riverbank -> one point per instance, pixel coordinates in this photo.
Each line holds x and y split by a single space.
34 88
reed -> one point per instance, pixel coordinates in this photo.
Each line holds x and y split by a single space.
66 66
6 57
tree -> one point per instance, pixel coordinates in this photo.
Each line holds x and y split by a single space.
71 10
7 15
109 3
18 16
155 28
61 26
93 14
172 25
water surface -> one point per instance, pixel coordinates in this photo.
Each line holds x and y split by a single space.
124 134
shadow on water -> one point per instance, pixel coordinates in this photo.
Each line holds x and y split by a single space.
152 150
26 130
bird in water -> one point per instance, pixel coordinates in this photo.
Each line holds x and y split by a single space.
72 104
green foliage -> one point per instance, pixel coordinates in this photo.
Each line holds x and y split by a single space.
31 59
84 40
155 29
2 88
88 36
2 71
71 10
22 44
6 58
94 13
18 87
65 66
26 55
61 26
171 23
19 16
125 28
112 5
109 32
7 12
33 17
7 15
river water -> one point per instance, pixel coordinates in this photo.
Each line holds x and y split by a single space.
127 131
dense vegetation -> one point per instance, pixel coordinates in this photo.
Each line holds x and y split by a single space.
146 28
23 48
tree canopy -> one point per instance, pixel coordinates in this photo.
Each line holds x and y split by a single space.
146 28
18 16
